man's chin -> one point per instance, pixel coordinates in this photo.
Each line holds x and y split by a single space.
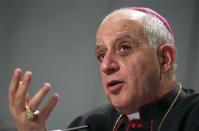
120 108
124 108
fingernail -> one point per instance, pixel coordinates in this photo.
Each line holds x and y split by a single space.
17 72
17 69
27 75
56 95
47 86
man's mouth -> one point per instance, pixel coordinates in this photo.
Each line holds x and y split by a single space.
114 86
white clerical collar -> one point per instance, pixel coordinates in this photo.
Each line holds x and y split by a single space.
134 116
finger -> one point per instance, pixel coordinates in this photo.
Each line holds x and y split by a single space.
27 99
36 100
20 98
14 83
45 112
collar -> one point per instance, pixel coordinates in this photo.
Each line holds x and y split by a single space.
134 116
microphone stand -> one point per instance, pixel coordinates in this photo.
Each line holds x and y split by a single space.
73 128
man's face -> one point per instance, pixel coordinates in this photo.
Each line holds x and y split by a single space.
129 68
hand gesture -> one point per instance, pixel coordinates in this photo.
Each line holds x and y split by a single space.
23 108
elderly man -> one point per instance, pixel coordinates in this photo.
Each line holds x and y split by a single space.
136 53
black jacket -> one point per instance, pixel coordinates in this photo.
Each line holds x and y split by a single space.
184 116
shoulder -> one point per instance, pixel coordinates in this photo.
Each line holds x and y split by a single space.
101 118
185 113
190 107
190 100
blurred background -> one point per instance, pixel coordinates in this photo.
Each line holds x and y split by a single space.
55 39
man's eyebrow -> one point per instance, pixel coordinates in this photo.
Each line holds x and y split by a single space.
98 46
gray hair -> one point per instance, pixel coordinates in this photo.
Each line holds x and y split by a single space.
157 32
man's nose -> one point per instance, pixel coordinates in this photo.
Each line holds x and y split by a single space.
109 65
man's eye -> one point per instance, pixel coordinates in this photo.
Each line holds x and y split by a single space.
100 56
125 49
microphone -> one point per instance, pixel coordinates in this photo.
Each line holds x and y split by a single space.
73 128
96 122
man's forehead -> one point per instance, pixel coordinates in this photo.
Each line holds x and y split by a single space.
118 24
118 35
125 14
120 20
118 29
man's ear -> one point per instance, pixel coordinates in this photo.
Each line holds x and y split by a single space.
166 54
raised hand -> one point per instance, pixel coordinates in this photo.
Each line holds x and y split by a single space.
23 108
